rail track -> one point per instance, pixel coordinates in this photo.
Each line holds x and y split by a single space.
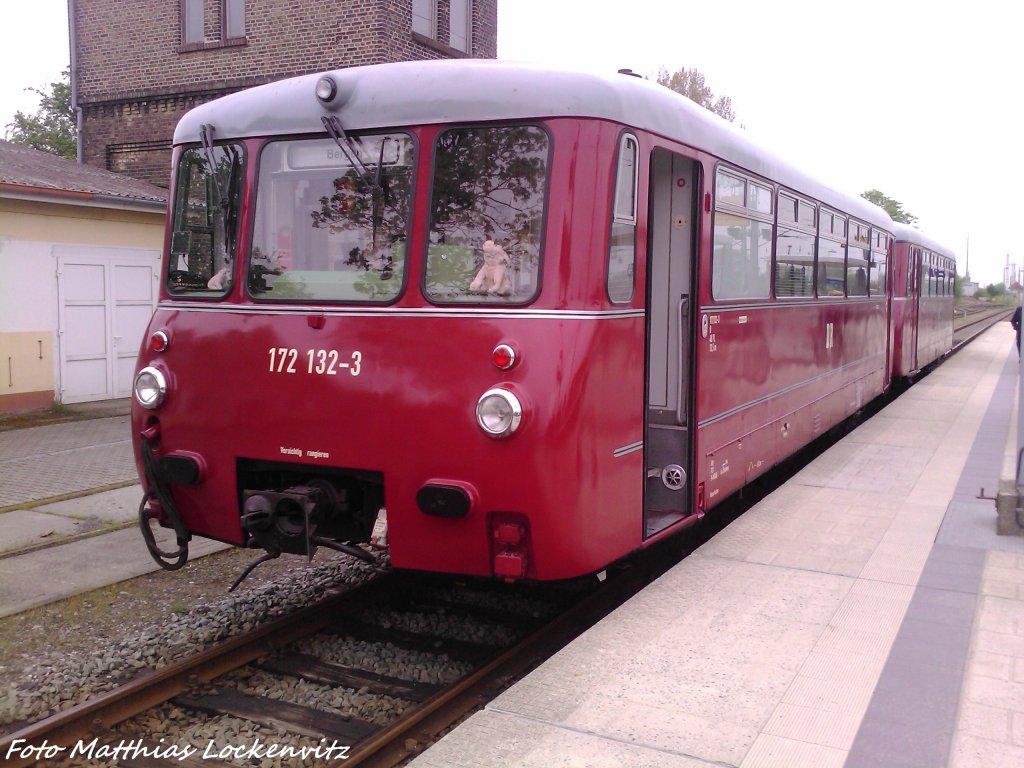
966 327
519 626
228 681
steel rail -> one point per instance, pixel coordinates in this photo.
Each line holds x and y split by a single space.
988 320
415 729
419 726
154 687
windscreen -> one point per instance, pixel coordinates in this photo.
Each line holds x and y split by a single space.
331 221
205 221
487 215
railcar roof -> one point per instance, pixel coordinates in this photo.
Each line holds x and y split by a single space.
428 92
917 237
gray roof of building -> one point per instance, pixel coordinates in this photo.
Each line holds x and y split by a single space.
475 90
44 174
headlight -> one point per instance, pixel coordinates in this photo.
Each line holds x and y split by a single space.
326 89
498 412
150 387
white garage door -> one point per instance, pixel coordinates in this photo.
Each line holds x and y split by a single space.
106 297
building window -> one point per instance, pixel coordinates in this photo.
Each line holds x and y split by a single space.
424 17
192 22
234 18
227 15
461 24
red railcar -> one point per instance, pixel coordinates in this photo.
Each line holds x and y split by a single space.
922 301
521 322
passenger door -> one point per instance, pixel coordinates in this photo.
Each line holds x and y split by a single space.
913 316
672 218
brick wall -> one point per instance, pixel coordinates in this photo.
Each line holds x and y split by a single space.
134 78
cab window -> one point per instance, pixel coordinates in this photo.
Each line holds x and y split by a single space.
486 215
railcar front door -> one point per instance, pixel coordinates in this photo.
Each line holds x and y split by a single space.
672 218
914 320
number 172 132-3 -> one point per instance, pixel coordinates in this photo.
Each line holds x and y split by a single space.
322 362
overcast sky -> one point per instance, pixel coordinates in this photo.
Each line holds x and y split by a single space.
920 99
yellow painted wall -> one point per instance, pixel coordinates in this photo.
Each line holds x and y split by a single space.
26 381
26 362
85 225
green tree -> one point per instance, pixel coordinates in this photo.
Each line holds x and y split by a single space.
996 289
893 207
691 84
52 128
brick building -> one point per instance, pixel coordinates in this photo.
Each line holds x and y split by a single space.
138 66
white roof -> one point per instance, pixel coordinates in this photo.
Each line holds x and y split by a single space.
917 237
476 90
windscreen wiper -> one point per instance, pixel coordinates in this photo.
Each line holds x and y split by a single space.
206 136
336 132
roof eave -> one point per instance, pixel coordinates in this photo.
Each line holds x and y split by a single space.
31 193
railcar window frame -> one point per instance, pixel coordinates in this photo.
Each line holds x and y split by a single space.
911 287
431 266
859 239
279 271
801 231
621 262
746 220
185 275
878 274
836 234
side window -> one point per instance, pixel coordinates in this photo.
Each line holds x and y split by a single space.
487 215
831 254
204 221
742 256
857 259
879 262
622 242
794 248
913 255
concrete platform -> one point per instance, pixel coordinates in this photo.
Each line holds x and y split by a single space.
51 550
865 614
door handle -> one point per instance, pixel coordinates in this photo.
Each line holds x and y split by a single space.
684 346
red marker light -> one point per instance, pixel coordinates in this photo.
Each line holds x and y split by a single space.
159 341
504 356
